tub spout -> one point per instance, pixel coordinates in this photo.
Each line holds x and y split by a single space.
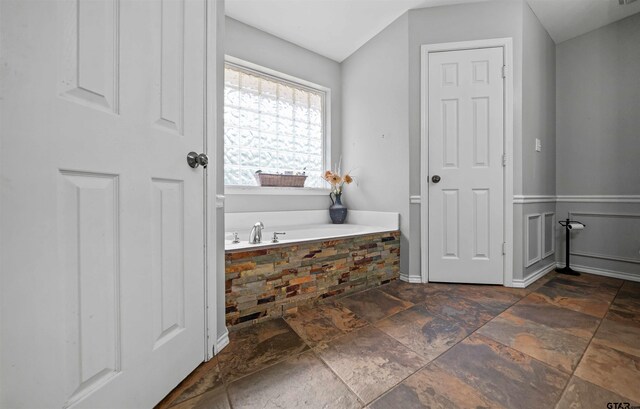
255 237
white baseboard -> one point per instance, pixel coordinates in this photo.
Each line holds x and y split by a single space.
223 341
524 282
607 273
410 279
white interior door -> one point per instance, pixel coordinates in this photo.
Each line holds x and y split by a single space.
465 125
102 218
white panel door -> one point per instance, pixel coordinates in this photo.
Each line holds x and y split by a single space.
102 218
465 120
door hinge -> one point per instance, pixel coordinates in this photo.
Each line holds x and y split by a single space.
504 248
504 71
504 159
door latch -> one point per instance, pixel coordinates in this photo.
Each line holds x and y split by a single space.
194 160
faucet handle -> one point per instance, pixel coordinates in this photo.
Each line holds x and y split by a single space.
275 237
236 239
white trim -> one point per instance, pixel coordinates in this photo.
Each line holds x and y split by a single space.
601 214
230 190
410 279
552 233
274 74
605 257
415 199
525 199
533 277
607 273
221 342
600 199
425 49
214 232
528 261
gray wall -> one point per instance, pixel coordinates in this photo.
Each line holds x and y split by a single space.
538 168
598 111
538 107
255 46
598 146
375 126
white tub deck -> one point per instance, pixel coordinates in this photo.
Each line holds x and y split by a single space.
304 226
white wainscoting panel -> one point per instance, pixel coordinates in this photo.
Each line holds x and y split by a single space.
532 239
620 229
548 234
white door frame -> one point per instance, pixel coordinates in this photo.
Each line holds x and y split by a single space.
425 49
215 339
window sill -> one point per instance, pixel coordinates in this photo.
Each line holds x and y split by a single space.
275 191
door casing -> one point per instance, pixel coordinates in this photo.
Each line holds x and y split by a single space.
217 335
507 45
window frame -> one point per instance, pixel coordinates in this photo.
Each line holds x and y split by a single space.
255 69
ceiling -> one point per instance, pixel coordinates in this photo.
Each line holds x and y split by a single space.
566 19
337 28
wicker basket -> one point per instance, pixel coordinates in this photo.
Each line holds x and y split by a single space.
270 179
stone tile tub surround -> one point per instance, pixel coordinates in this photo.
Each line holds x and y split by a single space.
265 282
314 260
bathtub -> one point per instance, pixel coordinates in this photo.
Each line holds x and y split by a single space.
304 226
313 261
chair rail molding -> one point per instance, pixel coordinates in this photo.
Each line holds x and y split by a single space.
599 198
526 199
607 214
415 199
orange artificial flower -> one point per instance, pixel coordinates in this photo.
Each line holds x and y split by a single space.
335 179
348 179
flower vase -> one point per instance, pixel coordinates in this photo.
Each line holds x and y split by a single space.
337 211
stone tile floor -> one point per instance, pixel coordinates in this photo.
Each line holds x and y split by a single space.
564 342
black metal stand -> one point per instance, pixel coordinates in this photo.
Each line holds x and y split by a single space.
567 268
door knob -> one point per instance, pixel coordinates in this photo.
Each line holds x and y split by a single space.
435 179
194 160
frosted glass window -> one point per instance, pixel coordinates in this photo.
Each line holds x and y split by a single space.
272 125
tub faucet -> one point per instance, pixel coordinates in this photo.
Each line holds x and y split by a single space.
255 237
